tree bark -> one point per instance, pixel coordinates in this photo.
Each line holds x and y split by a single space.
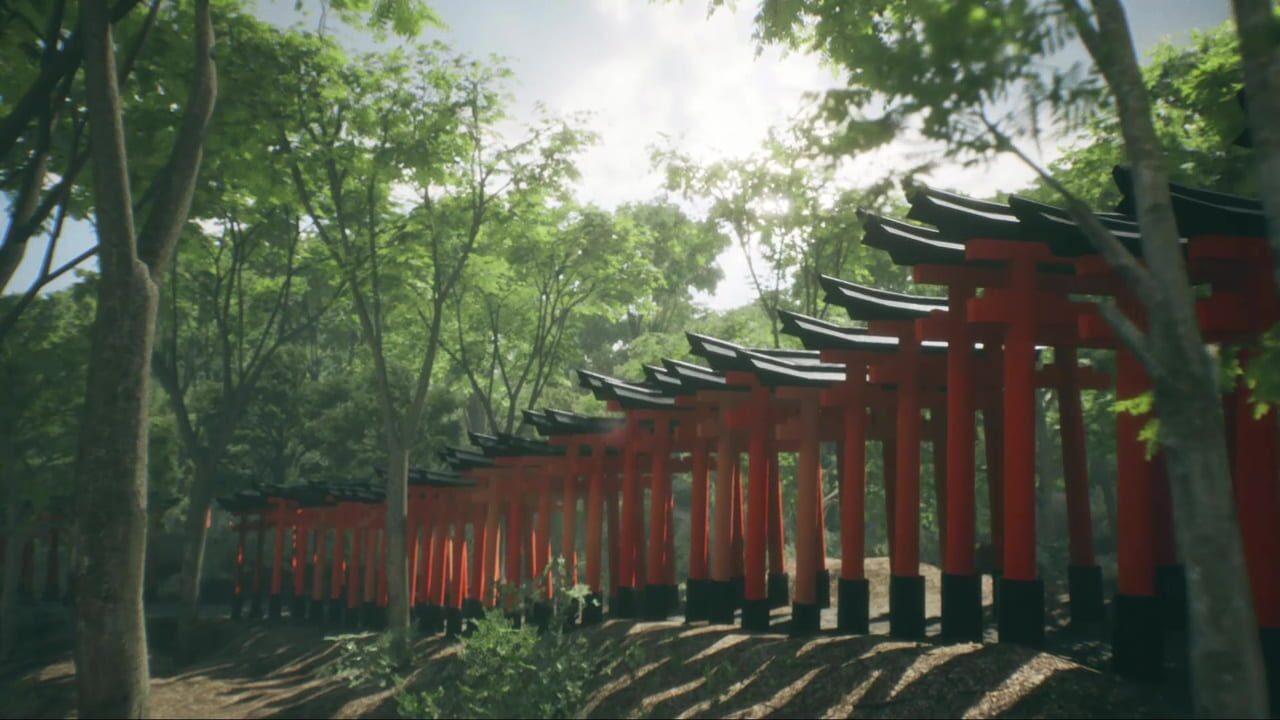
1226 663
111 461
1257 26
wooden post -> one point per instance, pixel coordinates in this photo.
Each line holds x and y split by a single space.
906 586
755 607
853 600
655 594
720 597
805 610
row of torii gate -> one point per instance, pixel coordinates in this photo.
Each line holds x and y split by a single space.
916 368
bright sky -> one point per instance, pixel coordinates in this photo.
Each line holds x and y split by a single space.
648 69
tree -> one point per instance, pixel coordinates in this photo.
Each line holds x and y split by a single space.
396 162
38 425
515 317
111 655
789 216
947 68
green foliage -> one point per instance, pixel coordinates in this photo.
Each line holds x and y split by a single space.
506 670
365 660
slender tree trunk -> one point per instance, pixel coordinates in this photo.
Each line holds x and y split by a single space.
197 533
1259 32
111 463
1226 663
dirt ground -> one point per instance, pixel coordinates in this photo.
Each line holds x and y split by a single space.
274 671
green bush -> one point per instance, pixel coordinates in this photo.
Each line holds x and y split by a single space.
509 671
366 660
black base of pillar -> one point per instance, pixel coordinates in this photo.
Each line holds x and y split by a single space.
695 600
452 622
1270 640
661 601
739 593
571 614
806 619
611 605
755 615
298 609
351 616
369 615
962 608
822 589
274 607
423 619
720 602
237 607
435 619
779 590
316 612
853 607
333 612
1084 583
1021 616
381 614
593 610
1137 648
472 609
906 606
656 598
1171 589
255 608
541 619
628 602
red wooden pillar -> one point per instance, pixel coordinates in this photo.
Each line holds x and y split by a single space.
615 544
853 601
720 603
961 583
421 578
338 570
889 461
315 613
627 599
353 571
237 589
1084 576
755 605
805 612
457 582
381 598
1257 492
779 581
906 586
595 523
255 602
696 587
569 518
370 596
542 538
1171 579
473 607
277 557
993 431
515 539
738 540
1138 648
656 599
489 551
298 567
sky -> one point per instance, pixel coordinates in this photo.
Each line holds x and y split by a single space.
646 70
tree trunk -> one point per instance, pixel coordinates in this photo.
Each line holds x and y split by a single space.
111 462
1260 52
397 569
197 533
1226 663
